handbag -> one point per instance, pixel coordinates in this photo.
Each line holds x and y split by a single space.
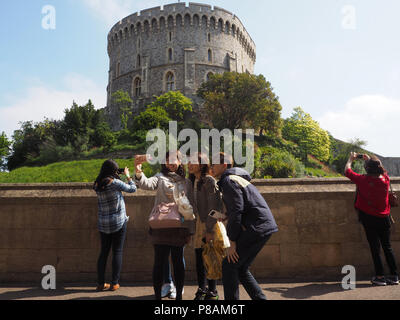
184 206
165 216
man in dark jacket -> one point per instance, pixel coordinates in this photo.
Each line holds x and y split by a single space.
250 226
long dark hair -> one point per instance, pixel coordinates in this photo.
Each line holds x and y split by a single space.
204 169
108 172
374 166
181 169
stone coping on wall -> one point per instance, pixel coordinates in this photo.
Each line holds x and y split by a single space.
84 190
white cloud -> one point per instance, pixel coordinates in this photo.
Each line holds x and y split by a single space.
373 118
112 11
43 101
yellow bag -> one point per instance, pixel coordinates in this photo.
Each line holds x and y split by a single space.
214 253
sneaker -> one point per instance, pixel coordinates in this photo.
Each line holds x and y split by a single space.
379 281
392 280
212 295
166 290
172 294
200 294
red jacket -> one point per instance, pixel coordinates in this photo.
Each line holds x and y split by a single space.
373 193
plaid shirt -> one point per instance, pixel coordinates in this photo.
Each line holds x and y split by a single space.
112 212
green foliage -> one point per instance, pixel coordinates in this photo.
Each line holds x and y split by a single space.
306 132
241 101
75 171
123 102
177 106
153 117
5 145
82 129
271 162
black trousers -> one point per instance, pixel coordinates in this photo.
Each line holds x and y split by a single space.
161 259
378 235
248 247
202 274
116 242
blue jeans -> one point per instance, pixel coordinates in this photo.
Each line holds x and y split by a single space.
161 259
116 241
248 247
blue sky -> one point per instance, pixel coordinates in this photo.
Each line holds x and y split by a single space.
340 66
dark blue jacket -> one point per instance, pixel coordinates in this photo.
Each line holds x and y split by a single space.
245 206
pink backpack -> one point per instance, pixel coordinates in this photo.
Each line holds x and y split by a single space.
165 216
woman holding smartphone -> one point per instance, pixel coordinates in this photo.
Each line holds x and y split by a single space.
374 211
207 198
169 241
112 220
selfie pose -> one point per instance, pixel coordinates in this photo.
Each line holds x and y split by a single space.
250 226
373 205
112 220
207 198
170 232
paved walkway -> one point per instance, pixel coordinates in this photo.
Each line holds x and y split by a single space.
274 291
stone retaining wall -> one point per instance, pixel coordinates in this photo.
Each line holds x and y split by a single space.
55 225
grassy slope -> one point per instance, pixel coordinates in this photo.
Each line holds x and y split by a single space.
75 171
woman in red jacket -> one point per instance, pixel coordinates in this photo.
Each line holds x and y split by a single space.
373 205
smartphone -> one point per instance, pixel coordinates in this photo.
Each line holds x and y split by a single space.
217 215
121 171
360 156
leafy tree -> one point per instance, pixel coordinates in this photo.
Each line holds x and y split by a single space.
306 132
241 101
123 102
177 106
5 145
153 117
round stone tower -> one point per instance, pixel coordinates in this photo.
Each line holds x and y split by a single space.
175 47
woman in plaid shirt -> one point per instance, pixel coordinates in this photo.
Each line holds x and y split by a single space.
112 220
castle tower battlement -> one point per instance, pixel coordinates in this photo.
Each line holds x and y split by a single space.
174 47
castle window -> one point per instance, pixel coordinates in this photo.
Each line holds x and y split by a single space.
170 81
137 86
209 37
118 69
209 55
170 36
170 56
209 76
138 61
138 43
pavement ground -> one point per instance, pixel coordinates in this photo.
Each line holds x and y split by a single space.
273 291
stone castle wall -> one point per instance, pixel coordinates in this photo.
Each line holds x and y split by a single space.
188 42
57 225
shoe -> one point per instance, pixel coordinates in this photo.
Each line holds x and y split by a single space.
172 295
166 290
379 281
115 287
392 280
211 295
103 287
200 294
